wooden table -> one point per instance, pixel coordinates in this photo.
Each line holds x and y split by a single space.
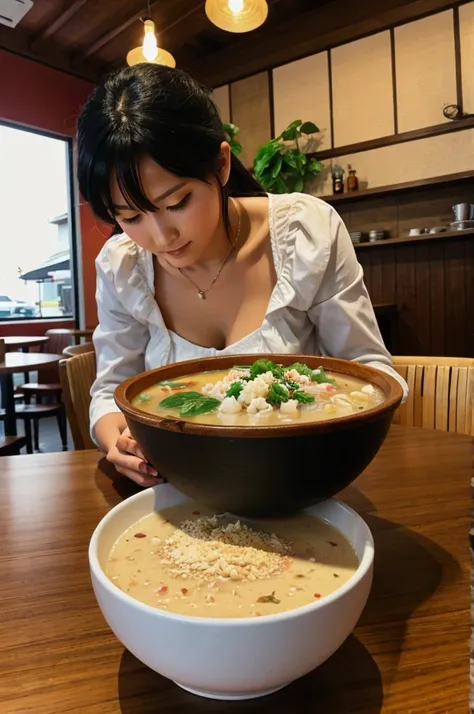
409 654
24 342
19 362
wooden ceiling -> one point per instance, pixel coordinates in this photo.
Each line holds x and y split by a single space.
89 37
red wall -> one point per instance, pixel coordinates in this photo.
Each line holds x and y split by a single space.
44 98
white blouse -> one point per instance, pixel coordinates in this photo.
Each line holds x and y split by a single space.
319 304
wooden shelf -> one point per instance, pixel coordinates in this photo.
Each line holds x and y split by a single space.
448 179
447 235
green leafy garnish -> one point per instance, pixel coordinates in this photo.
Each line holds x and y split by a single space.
204 405
303 397
289 384
176 401
190 403
269 598
145 398
321 377
261 366
301 369
277 394
241 367
234 390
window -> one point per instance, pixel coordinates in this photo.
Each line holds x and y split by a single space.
37 267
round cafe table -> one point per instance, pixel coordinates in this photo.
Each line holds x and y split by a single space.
15 362
24 342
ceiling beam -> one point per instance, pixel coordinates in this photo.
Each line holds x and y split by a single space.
64 16
18 42
315 31
116 31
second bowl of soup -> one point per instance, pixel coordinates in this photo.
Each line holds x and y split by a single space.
260 434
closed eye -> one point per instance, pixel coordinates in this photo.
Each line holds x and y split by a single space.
130 221
181 205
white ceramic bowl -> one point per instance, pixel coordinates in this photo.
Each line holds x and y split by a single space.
230 658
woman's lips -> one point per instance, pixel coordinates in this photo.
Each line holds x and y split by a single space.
178 252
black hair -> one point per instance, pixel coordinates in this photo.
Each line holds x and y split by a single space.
155 111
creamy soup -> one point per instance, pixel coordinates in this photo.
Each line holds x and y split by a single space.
189 561
263 394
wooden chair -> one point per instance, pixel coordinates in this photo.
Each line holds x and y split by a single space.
73 350
11 445
441 393
77 373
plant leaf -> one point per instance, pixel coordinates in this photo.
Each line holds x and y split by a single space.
234 390
277 166
264 155
261 366
309 128
269 598
235 146
204 405
277 394
280 186
321 377
145 398
300 368
290 158
176 401
299 185
290 134
303 397
294 124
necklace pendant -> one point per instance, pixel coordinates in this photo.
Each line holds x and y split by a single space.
202 294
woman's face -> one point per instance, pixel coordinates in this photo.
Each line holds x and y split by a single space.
188 218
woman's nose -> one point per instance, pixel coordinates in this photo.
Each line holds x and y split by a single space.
162 232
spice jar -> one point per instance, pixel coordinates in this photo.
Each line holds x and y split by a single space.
352 180
337 179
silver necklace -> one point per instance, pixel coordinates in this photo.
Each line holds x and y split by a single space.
202 293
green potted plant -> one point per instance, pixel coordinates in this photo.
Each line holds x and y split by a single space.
231 132
280 165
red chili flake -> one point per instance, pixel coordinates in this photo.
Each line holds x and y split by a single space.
140 535
331 542
162 589
317 595
184 591
196 513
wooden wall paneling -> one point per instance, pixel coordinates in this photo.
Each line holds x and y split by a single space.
455 290
251 113
362 90
365 259
301 91
376 289
389 284
470 298
437 299
425 70
412 161
221 98
381 214
406 300
422 306
466 32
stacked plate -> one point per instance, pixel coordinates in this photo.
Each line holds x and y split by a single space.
358 236
377 235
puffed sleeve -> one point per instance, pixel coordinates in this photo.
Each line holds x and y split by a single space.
341 309
119 340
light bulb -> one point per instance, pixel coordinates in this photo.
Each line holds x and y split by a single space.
236 6
150 47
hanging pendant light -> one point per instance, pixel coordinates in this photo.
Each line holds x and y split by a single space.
149 51
237 15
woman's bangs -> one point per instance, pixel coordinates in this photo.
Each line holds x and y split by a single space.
123 167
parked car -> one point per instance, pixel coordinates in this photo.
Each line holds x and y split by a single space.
16 308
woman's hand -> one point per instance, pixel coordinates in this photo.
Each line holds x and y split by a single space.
128 459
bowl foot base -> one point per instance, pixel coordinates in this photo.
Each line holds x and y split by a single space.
231 696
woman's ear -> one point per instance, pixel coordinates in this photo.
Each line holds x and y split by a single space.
224 162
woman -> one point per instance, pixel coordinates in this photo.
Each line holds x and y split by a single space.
205 262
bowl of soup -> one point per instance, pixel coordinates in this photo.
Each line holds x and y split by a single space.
260 435
228 607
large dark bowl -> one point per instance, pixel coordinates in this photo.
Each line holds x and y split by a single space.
260 470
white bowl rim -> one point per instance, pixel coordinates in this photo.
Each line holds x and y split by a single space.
365 564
